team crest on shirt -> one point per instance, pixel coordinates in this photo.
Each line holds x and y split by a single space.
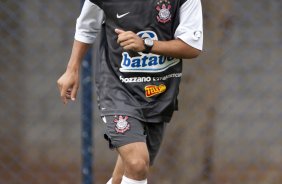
163 7
122 124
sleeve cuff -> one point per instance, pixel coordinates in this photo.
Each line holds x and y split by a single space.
192 38
84 39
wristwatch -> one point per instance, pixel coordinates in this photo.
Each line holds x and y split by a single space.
148 43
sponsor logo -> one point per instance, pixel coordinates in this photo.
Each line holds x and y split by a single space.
164 78
135 79
152 90
163 7
122 124
146 63
123 15
148 79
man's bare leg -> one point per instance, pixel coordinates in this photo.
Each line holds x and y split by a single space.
135 159
118 171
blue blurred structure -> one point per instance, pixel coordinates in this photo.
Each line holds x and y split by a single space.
87 118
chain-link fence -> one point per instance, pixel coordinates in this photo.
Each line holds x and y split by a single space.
39 138
228 129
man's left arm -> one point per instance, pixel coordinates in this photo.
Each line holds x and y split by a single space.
188 40
175 48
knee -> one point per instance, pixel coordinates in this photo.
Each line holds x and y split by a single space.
138 166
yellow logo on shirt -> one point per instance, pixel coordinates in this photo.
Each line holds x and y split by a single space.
152 90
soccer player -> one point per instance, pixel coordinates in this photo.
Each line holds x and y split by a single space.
137 74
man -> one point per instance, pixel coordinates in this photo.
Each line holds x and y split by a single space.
137 72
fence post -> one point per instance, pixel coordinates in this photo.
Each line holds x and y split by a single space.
87 118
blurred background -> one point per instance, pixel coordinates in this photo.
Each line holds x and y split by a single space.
229 126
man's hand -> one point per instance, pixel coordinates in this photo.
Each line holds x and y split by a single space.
130 41
68 85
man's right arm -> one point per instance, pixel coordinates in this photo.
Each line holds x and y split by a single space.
88 26
68 83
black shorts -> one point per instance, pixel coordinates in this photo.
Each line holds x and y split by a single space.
121 130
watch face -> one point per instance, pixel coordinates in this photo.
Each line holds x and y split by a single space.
149 42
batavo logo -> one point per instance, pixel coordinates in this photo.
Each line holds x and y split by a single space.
152 90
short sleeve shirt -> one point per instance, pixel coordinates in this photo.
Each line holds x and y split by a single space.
142 85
